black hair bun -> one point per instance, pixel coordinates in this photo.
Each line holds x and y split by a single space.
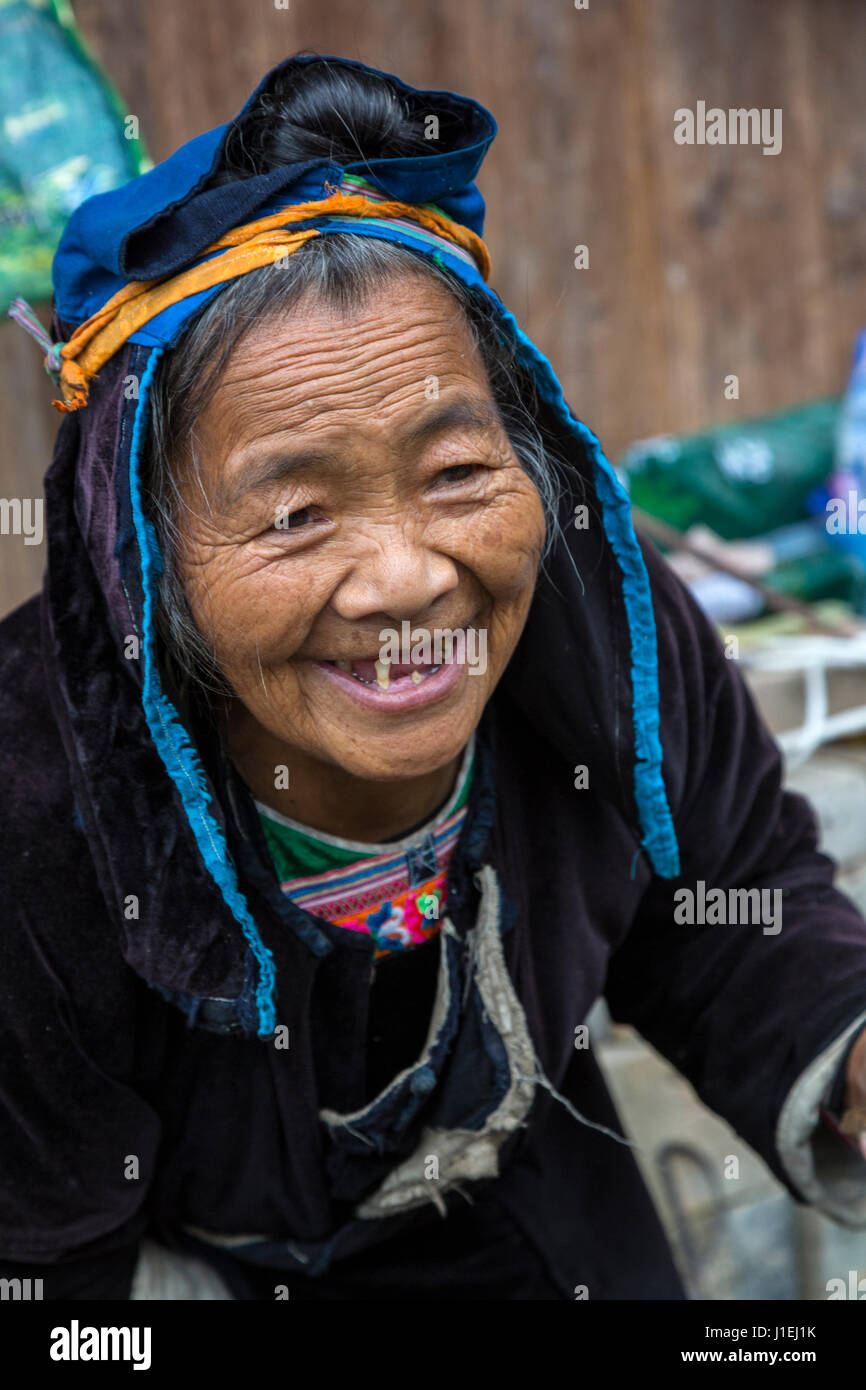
324 108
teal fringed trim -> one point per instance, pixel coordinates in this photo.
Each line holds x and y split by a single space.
659 833
172 739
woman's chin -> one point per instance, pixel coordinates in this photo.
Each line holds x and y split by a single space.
399 758
408 747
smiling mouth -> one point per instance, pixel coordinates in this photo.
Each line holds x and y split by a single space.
380 674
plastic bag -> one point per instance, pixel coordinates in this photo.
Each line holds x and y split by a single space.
63 137
741 480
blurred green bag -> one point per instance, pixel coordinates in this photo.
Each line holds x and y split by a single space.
63 132
741 480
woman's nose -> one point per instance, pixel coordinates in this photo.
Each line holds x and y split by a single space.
394 573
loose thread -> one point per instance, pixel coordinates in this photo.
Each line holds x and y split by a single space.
24 315
541 1080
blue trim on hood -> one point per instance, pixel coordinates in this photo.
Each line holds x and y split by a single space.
171 738
659 832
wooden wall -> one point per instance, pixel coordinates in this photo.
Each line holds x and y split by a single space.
704 260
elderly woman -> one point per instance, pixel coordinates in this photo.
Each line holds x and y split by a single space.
355 748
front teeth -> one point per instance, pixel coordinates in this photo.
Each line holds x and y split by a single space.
383 674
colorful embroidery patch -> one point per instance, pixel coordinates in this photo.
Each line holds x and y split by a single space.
382 895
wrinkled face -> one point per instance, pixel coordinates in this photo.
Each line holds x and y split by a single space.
356 481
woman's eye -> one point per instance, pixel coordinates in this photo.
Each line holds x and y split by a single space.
458 473
293 521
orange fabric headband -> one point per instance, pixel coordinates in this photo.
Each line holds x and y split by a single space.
243 249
